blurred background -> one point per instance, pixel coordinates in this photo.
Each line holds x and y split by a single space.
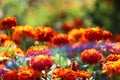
58 13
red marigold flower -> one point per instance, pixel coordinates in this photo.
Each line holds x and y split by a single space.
44 34
10 75
91 56
111 67
94 34
8 22
41 62
28 73
3 37
38 50
64 74
60 39
19 31
117 37
107 35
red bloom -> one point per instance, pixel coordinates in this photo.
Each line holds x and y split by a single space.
60 39
91 56
8 22
44 34
10 75
41 62
3 37
107 35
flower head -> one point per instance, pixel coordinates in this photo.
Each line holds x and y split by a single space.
112 67
112 57
10 75
107 35
41 62
44 34
60 39
3 37
91 56
8 22
38 50
28 73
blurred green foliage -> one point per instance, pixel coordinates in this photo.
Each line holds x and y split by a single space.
104 13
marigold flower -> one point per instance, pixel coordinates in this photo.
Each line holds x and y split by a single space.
60 39
91 56
64 74
107 34
10 75
9 43
28 73
112 67
44 34
83 74
19 31
8 22
94 34
38 50
41 62
117 38
112 57
3 37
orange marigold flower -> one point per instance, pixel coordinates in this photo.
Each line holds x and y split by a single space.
112 67
41 62
3 37
83 74
112 57
64 74
19 31
9 43
60 39
8 22
91 56
28 73
44 34
10 75
107 35
94 34
38 50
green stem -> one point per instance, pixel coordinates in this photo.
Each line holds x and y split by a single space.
8 32
40 75
24 43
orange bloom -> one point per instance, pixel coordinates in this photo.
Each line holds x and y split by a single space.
83 74
112 67
60 39
94 34
107 35
19 31
91 56
9 43
28 73
41 62
44 34
10 75
64 74
112 57
8 22
38 50
3 37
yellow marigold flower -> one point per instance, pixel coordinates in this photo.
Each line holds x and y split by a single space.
19 31
28 73
41 62
64 74
60 39
91 56
9 43
112 67
44 34
10 75
94 34
112 57
3 37
8 22
38 50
